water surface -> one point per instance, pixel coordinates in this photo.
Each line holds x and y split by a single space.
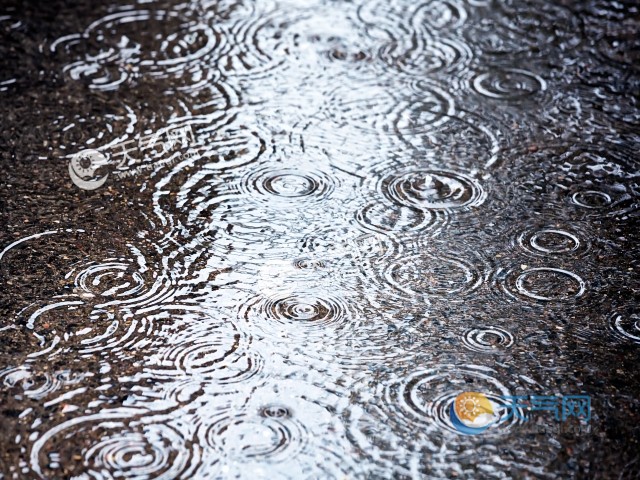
315 224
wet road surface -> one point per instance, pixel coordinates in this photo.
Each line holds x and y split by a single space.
320 239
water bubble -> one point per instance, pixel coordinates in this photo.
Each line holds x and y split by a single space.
309 264
620 47
275 411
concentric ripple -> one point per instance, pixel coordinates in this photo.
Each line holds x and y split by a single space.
106 123
508 84
124 47
626 325
298 315
260 40
424 55
492 39
593 199
309 38
410 44
288 185
278 431
194 186
409 416
379 217
121 281
111 278
374 108
110 332
594 184
151 451
461 141
294 314
537 25
411 411
546 284
487 339
426 396
158 452
256 438
208 350
433 190
38 385
433 106
434 15
230 147
441 14
551 241
438 275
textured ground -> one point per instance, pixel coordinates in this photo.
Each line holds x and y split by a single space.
378 205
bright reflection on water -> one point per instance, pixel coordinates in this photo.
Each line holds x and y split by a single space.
381 205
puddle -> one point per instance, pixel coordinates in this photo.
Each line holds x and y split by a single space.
319 239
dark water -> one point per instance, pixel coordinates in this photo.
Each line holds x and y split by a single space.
369 208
